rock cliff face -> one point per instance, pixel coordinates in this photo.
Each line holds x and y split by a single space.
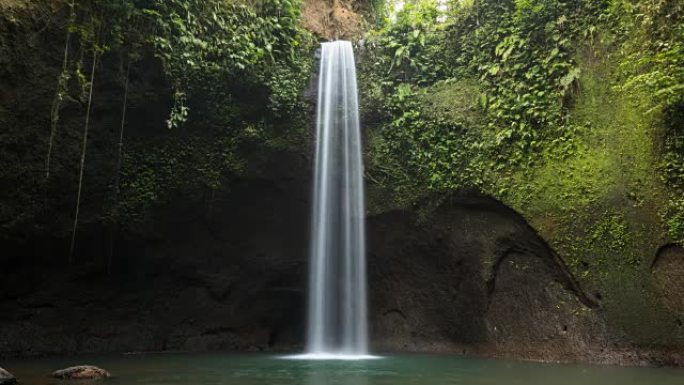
472 277
475 278
336 19
668 277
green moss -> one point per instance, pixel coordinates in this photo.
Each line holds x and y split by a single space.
596 198
576 125
611 159
673 218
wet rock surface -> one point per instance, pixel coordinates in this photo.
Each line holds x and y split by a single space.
668 277
474 279
6 378
81 372
483 282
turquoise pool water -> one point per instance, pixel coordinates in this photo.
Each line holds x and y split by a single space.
260 369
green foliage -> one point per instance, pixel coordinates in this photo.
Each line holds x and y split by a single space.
613 231
673 167
92 26
609 158
435 144
520 52
410 47
233 77
654 65
286 80
415 147
568 111
437 148
207 46
655 53
605 243
194 165
529 142
238 70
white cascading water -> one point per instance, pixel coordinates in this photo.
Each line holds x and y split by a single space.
337 320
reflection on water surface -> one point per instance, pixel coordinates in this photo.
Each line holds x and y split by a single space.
259 369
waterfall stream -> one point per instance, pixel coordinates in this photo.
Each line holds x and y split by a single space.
337 319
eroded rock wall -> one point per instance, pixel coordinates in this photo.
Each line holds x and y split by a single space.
473 279
337 19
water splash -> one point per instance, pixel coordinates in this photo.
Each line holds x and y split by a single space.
337 318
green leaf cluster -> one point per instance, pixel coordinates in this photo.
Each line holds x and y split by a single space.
520 60
513 59
209 46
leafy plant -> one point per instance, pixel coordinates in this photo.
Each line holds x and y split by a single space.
207 45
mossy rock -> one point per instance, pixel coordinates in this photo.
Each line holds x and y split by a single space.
81 372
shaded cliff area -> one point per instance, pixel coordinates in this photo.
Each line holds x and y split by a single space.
474 279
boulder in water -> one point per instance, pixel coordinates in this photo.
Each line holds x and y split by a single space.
81 372
6 378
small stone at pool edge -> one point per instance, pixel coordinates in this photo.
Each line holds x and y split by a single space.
81 372
6 378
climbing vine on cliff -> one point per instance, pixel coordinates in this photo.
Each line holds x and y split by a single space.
654 65
208 45
237 70
230 73
556 107
514 57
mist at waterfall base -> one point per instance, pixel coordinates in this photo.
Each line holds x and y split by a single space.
337 320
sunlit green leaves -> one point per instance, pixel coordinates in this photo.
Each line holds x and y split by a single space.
654 65
572 76
521 52
411 45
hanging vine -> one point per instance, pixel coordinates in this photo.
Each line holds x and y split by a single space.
117 173
62 88
84 146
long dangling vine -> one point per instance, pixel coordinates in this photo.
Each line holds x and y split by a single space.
62 81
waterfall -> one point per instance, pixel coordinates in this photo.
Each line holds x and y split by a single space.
337 320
